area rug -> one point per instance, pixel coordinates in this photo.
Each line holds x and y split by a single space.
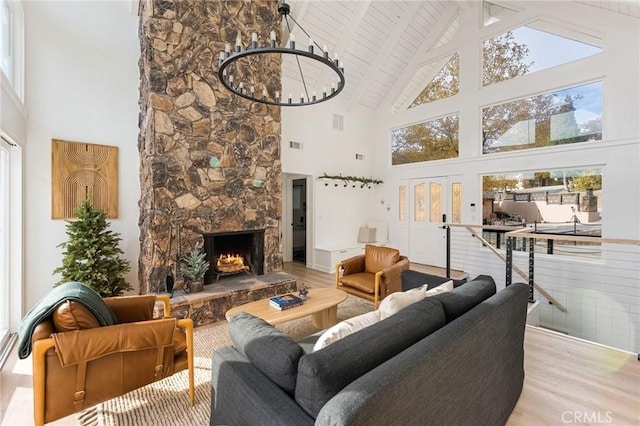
166 402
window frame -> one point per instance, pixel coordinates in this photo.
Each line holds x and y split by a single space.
16 15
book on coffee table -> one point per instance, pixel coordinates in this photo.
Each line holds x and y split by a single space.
285 301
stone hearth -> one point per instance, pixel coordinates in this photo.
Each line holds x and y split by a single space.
211 304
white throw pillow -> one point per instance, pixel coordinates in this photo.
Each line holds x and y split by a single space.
442 288
397 301
345 328
382 231
366 235
400 300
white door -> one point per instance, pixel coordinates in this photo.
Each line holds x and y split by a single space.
428 212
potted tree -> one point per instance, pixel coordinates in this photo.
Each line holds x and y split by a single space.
193 267
91 255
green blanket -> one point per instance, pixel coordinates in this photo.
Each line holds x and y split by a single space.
68 291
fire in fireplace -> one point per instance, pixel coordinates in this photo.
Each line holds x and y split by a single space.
229 263
234 252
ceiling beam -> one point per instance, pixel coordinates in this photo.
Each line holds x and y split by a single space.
299 15
356 18
383 54
448 15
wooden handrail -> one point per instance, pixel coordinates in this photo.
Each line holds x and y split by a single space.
520 232
495 251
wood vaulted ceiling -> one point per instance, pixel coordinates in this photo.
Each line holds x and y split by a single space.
381 42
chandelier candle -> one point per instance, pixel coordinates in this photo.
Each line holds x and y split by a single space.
234 63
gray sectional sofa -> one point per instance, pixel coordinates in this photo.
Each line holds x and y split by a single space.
452 359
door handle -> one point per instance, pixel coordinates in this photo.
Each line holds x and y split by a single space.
444 217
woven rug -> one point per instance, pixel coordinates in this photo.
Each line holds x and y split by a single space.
166 402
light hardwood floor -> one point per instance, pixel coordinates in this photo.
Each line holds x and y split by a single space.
567 380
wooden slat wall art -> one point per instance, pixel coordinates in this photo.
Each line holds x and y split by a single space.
79 170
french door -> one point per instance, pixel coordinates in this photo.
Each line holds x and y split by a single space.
428 211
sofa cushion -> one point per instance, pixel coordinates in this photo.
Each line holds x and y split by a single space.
413 279
345 328
71 315
377 258
272 352
324 373
461 299
363 281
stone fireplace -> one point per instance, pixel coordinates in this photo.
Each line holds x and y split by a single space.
231 253
209 160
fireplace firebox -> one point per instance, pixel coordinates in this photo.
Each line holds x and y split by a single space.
230 253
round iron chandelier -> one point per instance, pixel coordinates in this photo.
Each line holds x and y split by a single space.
232 61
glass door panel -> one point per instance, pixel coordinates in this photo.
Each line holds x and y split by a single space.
402 203
435 205
456 202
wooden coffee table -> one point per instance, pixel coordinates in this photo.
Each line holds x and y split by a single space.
321 304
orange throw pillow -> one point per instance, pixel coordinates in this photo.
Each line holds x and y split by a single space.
71 315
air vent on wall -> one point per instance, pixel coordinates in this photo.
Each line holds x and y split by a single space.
359 156
295 145
338 122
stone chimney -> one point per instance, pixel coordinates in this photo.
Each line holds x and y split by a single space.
209 160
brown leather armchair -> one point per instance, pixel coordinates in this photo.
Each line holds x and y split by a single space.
372 275
73 370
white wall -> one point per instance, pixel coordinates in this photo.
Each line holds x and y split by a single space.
337 211
81 85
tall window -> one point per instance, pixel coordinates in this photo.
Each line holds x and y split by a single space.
4 242
431 140
567 116
6 41
11 47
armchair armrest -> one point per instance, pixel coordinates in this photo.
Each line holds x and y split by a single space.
392 277
40 348
74 347
353 265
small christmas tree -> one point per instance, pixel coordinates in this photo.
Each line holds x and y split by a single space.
92 255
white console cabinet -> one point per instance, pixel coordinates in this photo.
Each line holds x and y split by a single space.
326 258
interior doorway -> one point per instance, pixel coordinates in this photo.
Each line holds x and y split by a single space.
299 221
